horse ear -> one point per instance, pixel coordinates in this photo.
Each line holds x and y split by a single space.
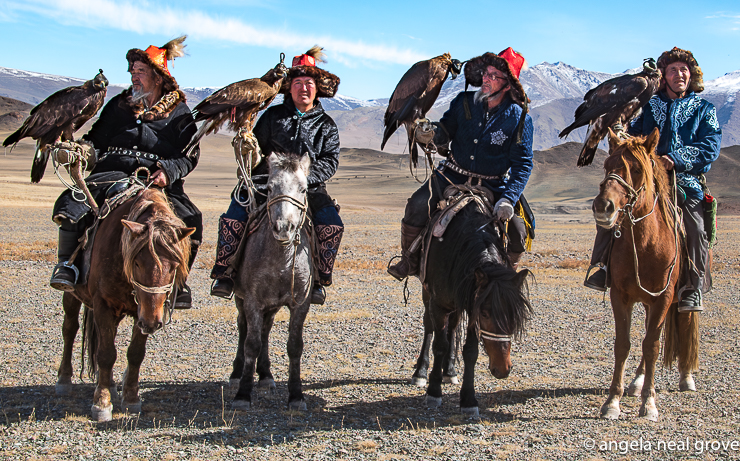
135 227
305 163
480 278
183 232
613 140
652 141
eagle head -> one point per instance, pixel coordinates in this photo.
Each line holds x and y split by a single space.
455 68
100 82
649 67
280 70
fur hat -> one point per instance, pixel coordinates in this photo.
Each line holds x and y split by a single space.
157 58
685 56
305 66
508 61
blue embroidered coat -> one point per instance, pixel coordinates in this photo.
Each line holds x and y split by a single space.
486 143
689 134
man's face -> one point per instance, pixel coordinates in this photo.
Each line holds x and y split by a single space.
144 79
303 91
493 80
678 77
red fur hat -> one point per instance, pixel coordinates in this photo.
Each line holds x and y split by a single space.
157 58
304 65
508 61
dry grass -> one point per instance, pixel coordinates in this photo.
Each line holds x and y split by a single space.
38 250
366 446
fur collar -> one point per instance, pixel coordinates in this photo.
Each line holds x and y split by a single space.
160 111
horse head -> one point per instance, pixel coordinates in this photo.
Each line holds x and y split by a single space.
632 178
156 249
502 308
287 203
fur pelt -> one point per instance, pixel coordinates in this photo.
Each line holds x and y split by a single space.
476 67
685 56
159 111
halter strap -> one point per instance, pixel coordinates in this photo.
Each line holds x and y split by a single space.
154 290
483 334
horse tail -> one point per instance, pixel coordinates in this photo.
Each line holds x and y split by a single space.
89 337
681 340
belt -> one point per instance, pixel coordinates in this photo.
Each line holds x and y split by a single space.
130 153
457 169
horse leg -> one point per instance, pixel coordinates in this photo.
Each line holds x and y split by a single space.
468 402
266 379
298 314
449 374
655 317
688 349
69 331
238 365
635 387
130 402
106 325
440 348
622 322
252 346
419 378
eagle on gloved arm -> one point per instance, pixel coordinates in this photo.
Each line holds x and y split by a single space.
616 101
59 116
415 95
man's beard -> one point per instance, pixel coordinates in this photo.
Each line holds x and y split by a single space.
480 97
138 95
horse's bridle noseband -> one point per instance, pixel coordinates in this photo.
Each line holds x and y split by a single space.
303 206
483 334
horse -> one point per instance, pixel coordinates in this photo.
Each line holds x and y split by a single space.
634 202
140 253
468 275
449 371
276 269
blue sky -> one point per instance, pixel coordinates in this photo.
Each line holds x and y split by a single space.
369 44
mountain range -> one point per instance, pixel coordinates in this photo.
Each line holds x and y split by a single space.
555 90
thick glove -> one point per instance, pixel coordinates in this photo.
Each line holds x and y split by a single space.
503 210
423 131
68 152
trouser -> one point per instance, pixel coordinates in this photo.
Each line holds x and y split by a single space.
422 202
697 245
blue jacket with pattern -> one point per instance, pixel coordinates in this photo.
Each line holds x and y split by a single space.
689 134
485 143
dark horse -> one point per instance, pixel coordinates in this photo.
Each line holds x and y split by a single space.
645 266
275 270
467 273
140 253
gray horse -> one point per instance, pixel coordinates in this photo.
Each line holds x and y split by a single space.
276 270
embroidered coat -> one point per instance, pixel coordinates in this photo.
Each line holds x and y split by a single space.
689 134
485 143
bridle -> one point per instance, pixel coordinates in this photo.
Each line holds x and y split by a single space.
483 334
168 305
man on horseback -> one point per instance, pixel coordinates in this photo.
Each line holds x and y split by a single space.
298 125
690 139
145 127
487 138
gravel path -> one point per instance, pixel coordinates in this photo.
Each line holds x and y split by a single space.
360 351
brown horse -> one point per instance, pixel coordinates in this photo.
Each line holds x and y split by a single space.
645 265
140 253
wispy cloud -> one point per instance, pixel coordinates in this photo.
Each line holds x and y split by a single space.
732 18
141 17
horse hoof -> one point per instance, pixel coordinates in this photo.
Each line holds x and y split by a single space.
241 405
687 385
610 413
131 408
299 405
450 380
649 414
418 382
635 388
234 383
267 383
470 411
102 415
433 402
62 389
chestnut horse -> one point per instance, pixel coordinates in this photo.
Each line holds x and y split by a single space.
645 264
467 273
139 255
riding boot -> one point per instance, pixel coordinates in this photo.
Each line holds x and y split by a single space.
409 263
599 257
184 295
64 276
230 233
514 259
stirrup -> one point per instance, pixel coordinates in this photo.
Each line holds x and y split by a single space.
219 291
588 283
63 284
318 294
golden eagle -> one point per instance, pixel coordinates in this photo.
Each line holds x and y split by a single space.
415 95
239 103
59 116
616 101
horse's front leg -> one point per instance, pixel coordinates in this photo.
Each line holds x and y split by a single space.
635 387
238 365
106 325
468 402
449 374
252 346
130 402
440 348
419 378
298 314
655 318
622 310
266 379
69 331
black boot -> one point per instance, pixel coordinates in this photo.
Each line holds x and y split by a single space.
184 298
328 238
409 263
596 280
318 293
64 276
230 232
690 301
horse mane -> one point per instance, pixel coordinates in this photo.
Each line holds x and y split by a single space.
153 209
476 247
653 175
286 161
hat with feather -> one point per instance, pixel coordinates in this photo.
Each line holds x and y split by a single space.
304 65
686 57
157 57
508 61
